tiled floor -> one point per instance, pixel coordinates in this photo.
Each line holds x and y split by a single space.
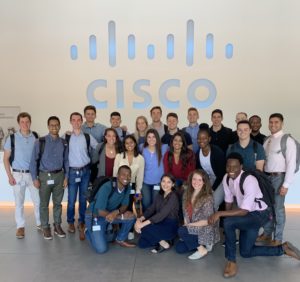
34 259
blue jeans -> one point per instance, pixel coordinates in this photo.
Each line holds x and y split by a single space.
98 239
249 226
148 194
73 186
187 242
277 225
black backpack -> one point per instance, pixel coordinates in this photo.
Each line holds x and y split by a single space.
265 186
97 184
12 146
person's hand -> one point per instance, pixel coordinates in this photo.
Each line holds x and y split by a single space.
36 183
65 184
213 218
283 191
112 215
138 226
12 181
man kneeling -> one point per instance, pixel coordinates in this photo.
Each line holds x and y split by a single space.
251 214
110 207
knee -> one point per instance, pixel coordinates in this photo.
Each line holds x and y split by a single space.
181 231
101 249
244 253
180 247
228 223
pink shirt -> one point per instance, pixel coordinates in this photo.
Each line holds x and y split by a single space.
251 192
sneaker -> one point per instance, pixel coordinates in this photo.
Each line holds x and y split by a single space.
71 228
47 233
59 231
197 255
130 236
39 227
20 234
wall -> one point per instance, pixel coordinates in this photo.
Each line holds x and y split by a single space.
38 74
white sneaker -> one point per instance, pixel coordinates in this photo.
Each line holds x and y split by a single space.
130 236
209 247
197 255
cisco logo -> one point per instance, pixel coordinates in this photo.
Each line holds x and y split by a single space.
139 85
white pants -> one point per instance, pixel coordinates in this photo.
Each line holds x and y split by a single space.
23 181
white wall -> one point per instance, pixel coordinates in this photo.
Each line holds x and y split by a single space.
38 74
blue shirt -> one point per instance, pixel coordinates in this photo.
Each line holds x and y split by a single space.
78 151
193 132
104 202
97 131
250 154
23 150
153 172
121 133
54 157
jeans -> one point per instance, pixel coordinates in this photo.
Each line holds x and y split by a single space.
98 239
23 181
218 196
277 224
148 194
74 184
248 226
187 242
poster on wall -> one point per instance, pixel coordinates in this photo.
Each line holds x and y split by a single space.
8 122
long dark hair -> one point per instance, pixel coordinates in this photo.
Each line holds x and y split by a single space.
118 144
157 145
172 178
185 152
205 192
136 149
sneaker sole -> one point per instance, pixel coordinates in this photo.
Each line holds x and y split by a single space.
60 235
20 237
48 238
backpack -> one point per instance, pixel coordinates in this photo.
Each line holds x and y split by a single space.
265 186
283 142
42 142
12 146
98 183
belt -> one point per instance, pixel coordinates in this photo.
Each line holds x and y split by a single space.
21 170
79 168
274 173
52 171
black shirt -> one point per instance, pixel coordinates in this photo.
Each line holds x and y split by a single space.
166 139
259 138
221 138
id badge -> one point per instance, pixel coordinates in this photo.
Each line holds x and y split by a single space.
96 228
77 179
50 182
156 187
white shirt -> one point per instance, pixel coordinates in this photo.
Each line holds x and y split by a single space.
275 161
206 165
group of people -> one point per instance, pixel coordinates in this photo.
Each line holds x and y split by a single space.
181 177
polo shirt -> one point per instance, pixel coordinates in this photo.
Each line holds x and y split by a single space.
23 150
249 154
